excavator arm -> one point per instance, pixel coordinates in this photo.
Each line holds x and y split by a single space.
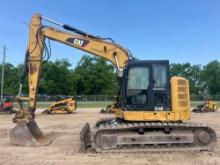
34 57
85 42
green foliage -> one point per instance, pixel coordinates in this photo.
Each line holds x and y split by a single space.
204 80
95 76
212 77
193 73
55 78
11 78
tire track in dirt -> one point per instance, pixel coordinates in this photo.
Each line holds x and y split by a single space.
3 133
8 157
65 130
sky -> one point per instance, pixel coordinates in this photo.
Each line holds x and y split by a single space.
178 30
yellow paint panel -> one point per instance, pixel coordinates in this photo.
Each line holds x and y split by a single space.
150 116
180 99
180 105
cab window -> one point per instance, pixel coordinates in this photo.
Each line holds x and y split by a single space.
159 76
137 85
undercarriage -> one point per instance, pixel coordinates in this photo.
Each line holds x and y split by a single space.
117 135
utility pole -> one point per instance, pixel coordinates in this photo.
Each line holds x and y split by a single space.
3 72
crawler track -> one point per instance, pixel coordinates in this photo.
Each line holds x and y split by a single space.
111 135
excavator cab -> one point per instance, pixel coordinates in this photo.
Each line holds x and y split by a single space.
145 86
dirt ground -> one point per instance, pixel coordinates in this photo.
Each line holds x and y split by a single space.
66 129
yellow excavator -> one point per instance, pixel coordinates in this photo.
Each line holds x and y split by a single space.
108 109
208 106
67 105
151 108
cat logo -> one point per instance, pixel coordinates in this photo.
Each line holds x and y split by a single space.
78 42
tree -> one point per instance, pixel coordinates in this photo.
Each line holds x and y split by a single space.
11 80
191 72
55 78
94 75
212 77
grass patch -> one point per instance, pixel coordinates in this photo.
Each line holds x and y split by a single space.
98 104
80 104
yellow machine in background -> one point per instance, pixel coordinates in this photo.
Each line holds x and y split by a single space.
67 105
108 109
151 107
208 106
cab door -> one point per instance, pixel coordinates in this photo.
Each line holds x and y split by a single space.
160 87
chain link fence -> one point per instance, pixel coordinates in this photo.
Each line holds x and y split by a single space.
204 97
83 101
101 101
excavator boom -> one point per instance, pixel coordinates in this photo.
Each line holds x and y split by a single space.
26 131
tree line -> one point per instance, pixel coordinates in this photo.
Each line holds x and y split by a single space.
95 76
